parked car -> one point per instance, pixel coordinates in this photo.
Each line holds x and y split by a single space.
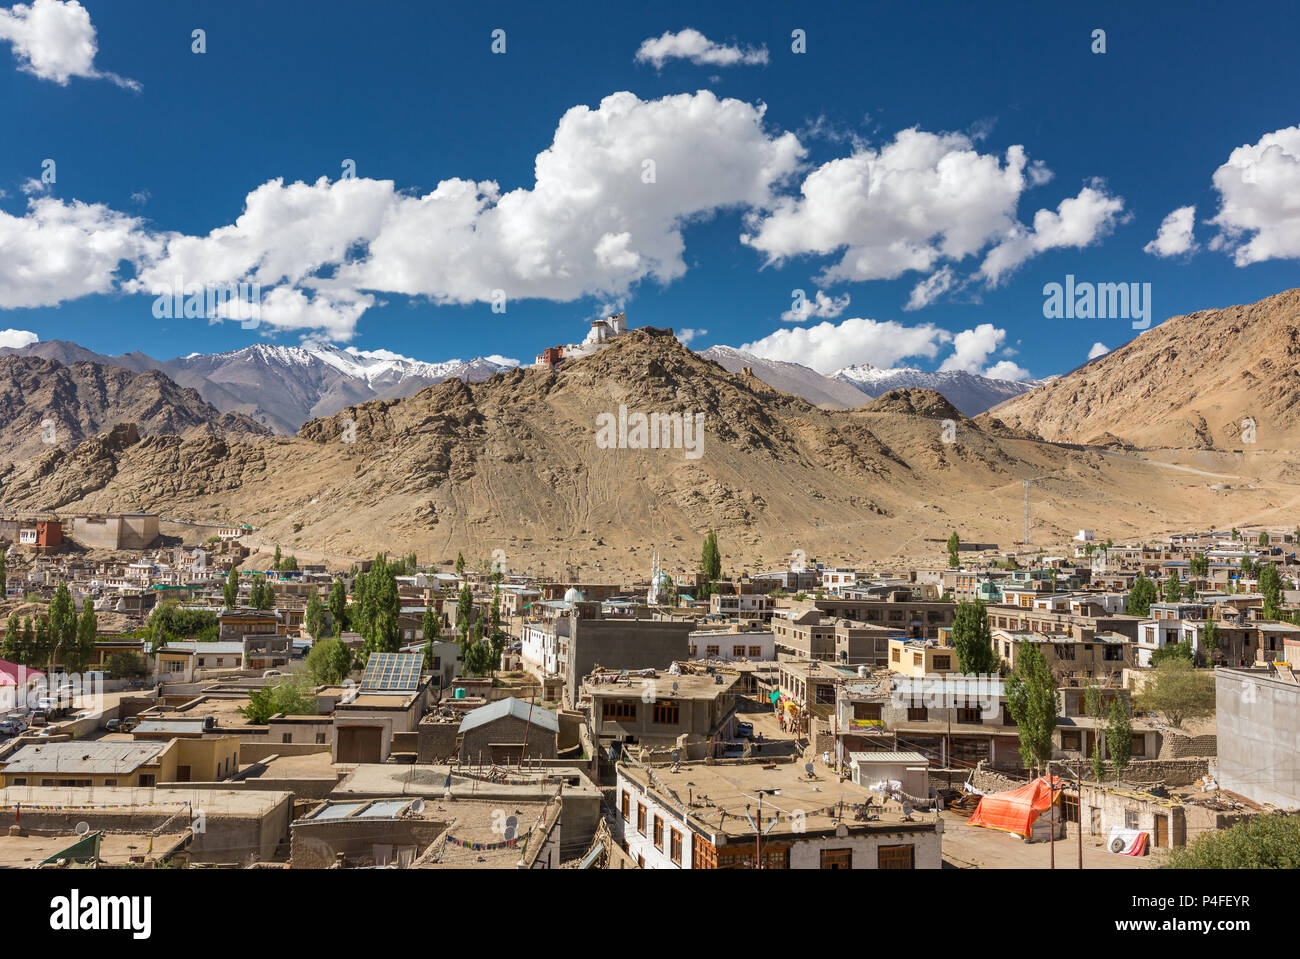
745 729
128 724
271 673
113 725
9 727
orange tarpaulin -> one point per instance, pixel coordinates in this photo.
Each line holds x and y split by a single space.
1016 810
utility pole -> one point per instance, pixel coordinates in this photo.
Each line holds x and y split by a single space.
1026 512
758 834
1078 785
1051 809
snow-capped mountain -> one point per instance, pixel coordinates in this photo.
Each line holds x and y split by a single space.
969 392
285 386
855 385
788 377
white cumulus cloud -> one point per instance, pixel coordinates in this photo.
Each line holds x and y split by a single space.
1259 199
827 346
931 288
1174 238
821 306
971 350
1077 222
1098 349
17 339
55 40
694 46
687 335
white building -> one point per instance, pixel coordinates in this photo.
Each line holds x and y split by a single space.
729 644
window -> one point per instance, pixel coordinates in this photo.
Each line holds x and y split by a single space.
942 662
1071 740
659 833
146 779
320 738
640 818
107 782
917 714
675 847
1007 718
667 714
618 710
710 651
755 652
837 858
626 804
825 694
1139 745
1130 819
968 714
737 650
866 711
895 857
918 659
286 737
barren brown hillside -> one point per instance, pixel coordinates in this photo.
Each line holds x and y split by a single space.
1191 382
513 464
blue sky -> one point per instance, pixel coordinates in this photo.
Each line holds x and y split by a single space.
162 146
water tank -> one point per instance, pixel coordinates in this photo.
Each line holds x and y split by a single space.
460 692
863 671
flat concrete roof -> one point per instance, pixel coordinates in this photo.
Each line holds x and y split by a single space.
19 852
730 787
374 780
125 801
89 758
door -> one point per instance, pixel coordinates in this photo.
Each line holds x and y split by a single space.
1162 832
361 744
183 774
895 857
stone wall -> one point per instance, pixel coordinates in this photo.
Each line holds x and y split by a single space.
1180 746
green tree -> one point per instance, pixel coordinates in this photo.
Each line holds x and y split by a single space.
464 610
291 697
1210 639
1095 706
1181 650
1173 591
1140 597
12 648
314 616
1178 691
1263 842
275 563
431 624
62 624
30 653
460 564
972 639
1263 539
1031 697
710 563
954 550
1119 736
230 592
1198 567
329 661
1270 586
386 628
289 564
127 665
338 605
81 652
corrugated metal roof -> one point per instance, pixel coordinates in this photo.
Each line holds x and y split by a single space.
888 757
83 758
510 706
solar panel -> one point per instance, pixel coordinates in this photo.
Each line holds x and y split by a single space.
392 672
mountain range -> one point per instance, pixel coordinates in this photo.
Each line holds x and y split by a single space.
515 463
282 387
854 385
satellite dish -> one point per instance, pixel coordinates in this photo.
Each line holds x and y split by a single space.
907 808
417 807
677 757
83 828
809 768
512 828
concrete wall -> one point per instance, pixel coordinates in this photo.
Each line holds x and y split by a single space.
622 644
317 845
507 729
1258 727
